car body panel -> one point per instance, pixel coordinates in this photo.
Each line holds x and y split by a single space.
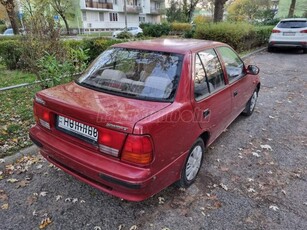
172 126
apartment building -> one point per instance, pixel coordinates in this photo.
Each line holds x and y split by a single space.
106 15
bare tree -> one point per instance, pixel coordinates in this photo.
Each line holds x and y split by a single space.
291 9
189 7
219 10
10 9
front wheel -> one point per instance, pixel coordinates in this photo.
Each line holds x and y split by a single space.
192 165
251 104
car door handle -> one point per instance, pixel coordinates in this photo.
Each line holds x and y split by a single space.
235 93
206 113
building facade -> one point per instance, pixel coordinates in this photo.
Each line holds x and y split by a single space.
108 15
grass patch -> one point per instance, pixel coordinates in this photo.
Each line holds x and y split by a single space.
16 116
9 78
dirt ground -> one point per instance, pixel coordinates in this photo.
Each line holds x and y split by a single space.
253 177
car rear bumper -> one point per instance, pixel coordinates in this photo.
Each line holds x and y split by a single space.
104 173
290 44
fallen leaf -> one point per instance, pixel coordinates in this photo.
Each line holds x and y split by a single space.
75 200
58 197
224 186
68 199
44 223
251 190
34 213
22 184
255 154
266 147
39 166
97 228
274 207
42 193
82 201
161 200
2 160
12 180
5 206
31 200
120 227
271 117
134 227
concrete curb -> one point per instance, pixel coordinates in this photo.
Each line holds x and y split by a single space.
13 158
254 52
34 149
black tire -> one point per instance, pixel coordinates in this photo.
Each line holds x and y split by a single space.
270 49
192 164
305 51
251 104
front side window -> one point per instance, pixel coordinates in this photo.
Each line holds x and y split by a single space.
113 17
234 65
208 75
147 75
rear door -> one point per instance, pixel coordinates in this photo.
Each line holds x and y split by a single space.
240 84
212 98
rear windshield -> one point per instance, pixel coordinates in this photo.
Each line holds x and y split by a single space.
140 74
292 24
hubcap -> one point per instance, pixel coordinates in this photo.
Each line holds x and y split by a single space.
253 101
193 163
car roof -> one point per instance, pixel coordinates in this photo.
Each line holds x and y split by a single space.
294 19
170 45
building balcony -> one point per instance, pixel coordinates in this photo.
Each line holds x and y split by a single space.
98 5
133 9
154 10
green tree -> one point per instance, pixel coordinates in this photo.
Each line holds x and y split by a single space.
241 10
10 10
181 11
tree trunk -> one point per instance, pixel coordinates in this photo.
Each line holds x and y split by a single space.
9 7
291 9
66 24
219 10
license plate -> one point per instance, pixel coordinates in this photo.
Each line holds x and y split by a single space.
288 34
77 128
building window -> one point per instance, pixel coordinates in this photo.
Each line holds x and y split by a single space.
115 2
101 16
84 16
141 19
113 17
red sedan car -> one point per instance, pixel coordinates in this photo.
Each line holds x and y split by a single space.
139 119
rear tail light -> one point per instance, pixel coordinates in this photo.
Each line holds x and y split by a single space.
303 31
42 115
138 150
110 142
275 31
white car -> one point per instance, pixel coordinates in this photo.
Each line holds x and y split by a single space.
290 32
134 30
8 32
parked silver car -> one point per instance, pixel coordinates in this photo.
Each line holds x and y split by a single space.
290 32
134 30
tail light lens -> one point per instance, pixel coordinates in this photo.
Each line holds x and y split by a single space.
42 115
110 142
275 31
303 31
138 150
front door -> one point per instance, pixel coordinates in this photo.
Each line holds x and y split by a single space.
212 97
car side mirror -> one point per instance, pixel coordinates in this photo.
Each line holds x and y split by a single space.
252 69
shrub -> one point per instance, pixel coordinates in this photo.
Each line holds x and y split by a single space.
124 35
180 28
10 53
2 28
155 30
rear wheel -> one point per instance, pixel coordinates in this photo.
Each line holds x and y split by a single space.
251 104
192 165
305 51
270 49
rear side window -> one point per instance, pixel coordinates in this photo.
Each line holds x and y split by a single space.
292 24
